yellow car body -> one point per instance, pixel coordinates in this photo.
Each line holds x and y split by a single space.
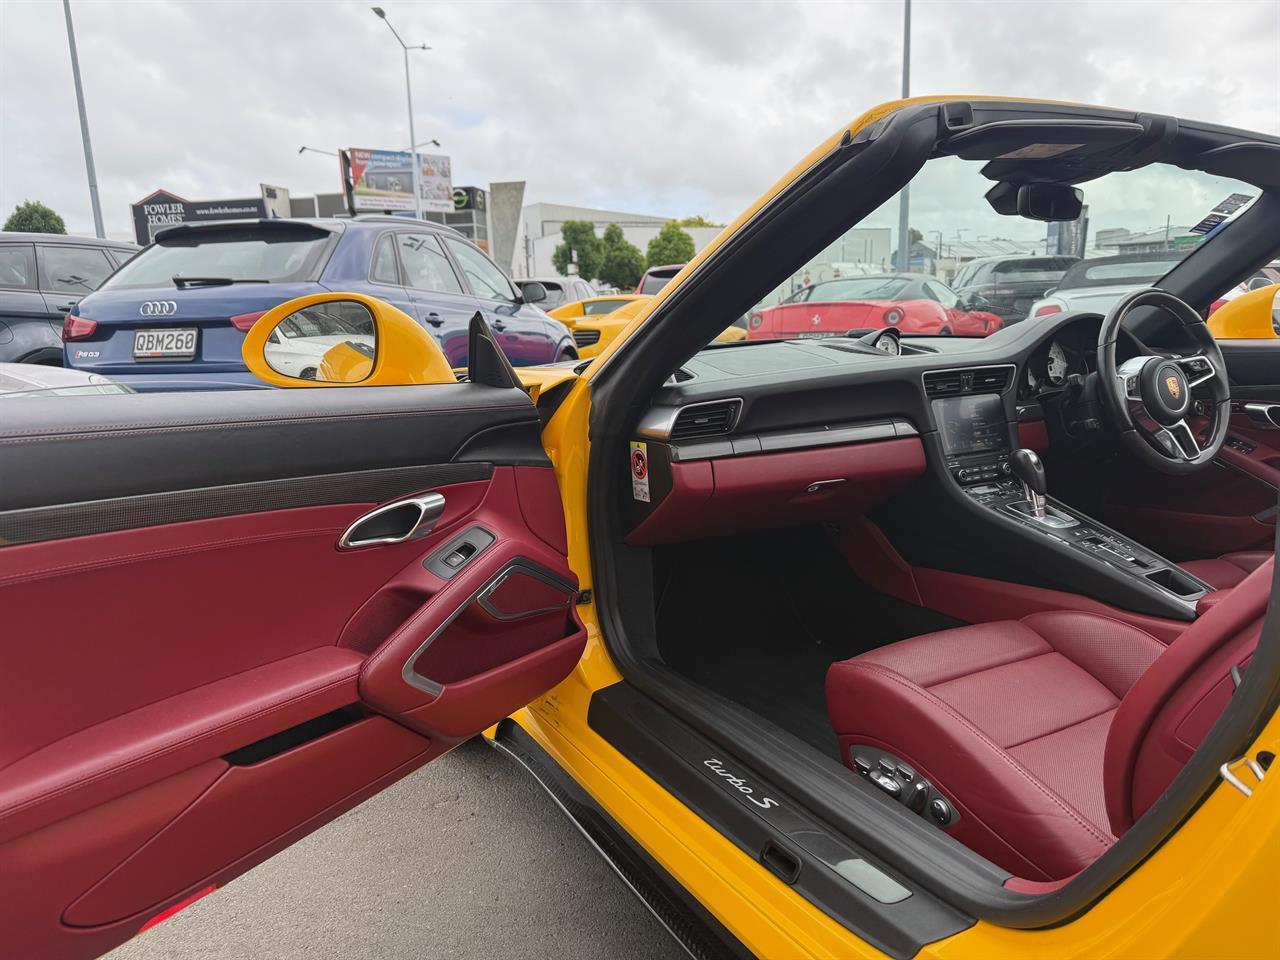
594 334
571 314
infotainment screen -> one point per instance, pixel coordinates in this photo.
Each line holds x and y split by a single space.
973 424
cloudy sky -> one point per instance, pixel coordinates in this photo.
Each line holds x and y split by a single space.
669 108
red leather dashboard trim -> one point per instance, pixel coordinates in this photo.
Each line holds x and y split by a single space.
713 497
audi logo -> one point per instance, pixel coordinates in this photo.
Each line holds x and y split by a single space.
158 308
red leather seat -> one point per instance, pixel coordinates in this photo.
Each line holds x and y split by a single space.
1051 734
1228 570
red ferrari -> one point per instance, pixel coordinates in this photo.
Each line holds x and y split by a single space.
914 303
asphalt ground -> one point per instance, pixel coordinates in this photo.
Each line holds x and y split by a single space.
467 858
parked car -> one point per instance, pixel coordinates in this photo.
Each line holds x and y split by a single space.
42 276
179 310
570 313
44 380
655 278
561 290
1010 285
1099 283
1264 277
912 302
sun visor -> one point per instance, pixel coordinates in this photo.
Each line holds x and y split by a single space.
1021 141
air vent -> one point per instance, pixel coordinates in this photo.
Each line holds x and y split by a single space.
682 376
950 383
586 338
705 419
943 384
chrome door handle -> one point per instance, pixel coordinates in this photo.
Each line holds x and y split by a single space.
396 522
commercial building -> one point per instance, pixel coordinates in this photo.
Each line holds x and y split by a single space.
539 232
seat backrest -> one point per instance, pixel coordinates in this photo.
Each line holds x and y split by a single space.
1168 712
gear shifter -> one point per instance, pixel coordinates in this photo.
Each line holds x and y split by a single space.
1029 470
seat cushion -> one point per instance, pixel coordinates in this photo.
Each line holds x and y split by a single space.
1009 720
1228 570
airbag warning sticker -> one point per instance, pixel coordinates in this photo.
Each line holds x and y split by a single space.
640 471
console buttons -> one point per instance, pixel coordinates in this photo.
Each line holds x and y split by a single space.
888 766
940 811
905 773
887 783
862 765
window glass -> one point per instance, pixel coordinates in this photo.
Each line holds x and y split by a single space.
425 265
556 295
486 279
597 307
122 256
271 255
1135 227
17 267
384 261
74 269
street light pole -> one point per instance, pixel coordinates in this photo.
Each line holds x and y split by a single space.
84 125
408 92
904 219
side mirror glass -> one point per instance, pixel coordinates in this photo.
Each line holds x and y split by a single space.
533 291
977 303
332 342
342 340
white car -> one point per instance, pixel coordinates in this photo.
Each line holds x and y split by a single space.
300 356
37 380
1096 285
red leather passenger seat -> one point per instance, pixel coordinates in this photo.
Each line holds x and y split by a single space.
1228 570
1051 734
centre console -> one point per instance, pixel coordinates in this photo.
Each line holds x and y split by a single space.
980 457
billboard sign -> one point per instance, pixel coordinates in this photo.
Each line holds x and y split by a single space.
164 209
382 181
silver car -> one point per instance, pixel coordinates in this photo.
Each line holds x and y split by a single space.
1095 285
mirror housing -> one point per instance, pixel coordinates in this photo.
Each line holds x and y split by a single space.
1249 316
1039 200
398 352
533 291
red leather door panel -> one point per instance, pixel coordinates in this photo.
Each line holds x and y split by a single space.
190 662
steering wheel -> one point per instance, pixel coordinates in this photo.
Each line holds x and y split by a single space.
1150 399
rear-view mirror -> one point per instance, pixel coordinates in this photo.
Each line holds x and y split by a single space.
1052 202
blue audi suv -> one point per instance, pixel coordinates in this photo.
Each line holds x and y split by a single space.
175 315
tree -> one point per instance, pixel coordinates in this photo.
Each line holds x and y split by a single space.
621 263
671 245
34 217
698 221
914 235
580 238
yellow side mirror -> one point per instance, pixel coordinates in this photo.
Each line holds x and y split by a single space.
342 340
1250 316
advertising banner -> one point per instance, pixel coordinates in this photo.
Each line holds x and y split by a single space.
164 209
382 180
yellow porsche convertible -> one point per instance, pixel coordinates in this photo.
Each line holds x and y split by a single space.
855 644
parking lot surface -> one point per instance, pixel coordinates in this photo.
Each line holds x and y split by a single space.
467 858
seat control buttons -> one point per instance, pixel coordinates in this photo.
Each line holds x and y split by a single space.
917 795
940 811
905 773
862 765
888 766
886 783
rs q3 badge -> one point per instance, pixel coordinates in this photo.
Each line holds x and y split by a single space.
639 463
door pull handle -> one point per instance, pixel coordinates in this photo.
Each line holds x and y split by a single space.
407 519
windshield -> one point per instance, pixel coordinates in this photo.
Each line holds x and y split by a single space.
1135 226
655 280
241 255
596 307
